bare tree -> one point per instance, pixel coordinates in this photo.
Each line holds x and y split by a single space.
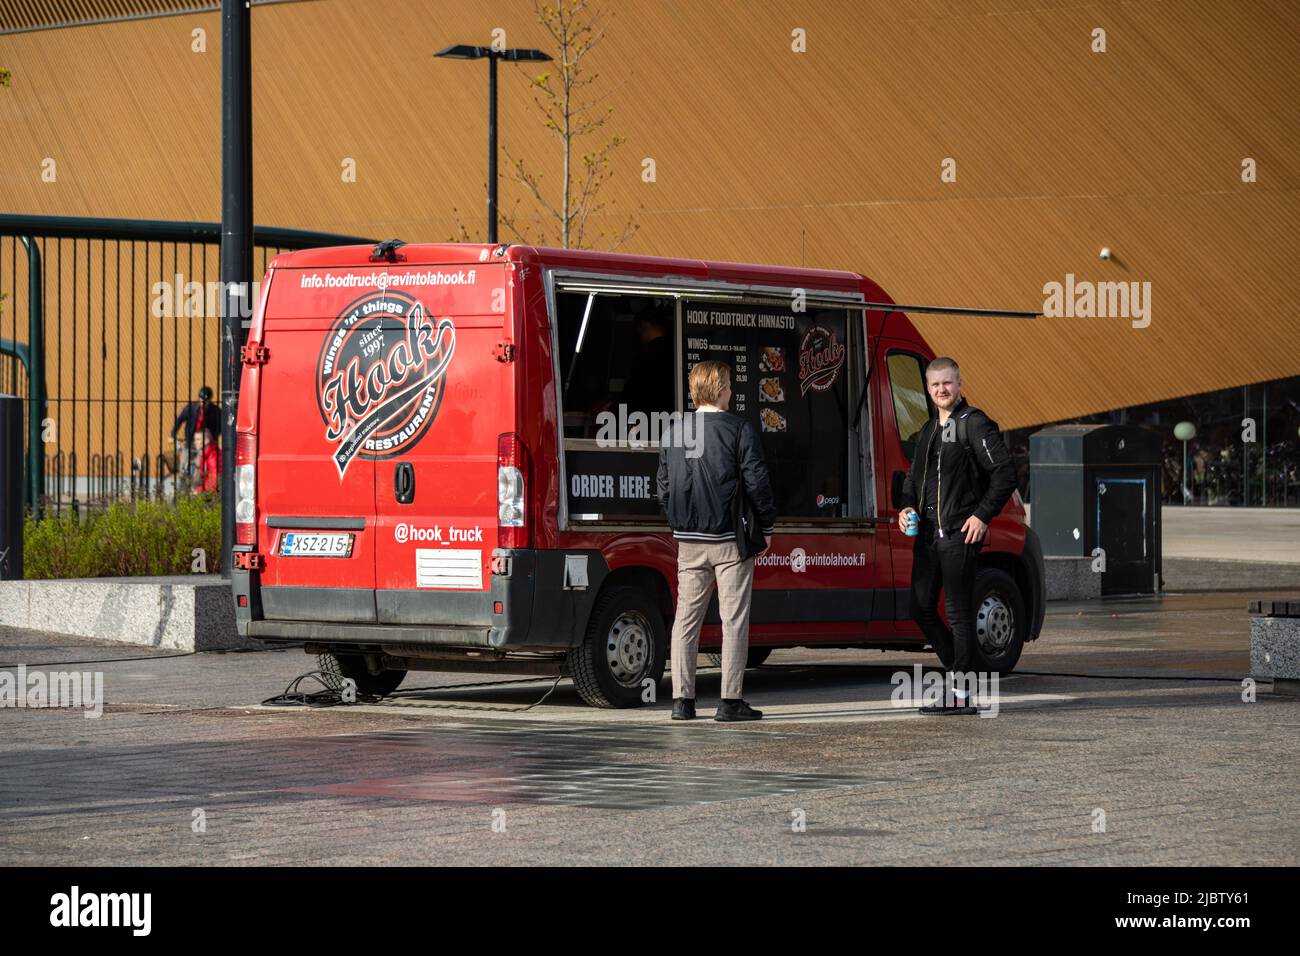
568 112
462 231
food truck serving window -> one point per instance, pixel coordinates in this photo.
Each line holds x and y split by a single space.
792 375
618 382
623 358
615 350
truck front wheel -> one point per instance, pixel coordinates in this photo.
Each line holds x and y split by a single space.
625 645
999 620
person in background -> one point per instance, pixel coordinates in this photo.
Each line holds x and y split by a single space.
209 460
697 493
200 416
651 384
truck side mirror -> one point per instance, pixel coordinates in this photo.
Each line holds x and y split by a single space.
897 487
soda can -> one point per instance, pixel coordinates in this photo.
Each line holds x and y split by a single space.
913 524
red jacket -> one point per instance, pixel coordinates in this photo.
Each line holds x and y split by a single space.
209 469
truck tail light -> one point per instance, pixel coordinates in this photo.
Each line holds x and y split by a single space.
512 508
245 488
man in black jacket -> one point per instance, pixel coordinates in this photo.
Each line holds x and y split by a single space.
960 478
697 485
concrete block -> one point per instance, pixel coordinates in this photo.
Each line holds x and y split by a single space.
181 612
1275 651
1070 579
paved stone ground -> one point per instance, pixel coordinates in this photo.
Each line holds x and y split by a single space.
1248 534
1262 535
1131 707
1211 574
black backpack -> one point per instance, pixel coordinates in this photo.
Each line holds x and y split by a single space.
977 475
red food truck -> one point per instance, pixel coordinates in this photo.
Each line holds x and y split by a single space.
445 460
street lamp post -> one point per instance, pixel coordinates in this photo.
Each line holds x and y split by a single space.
463 52
236 238
1185 432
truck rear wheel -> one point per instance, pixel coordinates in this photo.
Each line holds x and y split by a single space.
999 620
339 666
626 644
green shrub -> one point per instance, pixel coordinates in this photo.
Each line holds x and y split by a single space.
130 539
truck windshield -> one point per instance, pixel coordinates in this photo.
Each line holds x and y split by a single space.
911 404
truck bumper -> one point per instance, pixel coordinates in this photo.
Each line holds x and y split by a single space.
535 605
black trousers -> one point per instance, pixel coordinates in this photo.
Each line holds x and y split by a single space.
946 563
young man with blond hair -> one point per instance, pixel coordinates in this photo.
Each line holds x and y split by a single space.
960 478
697 489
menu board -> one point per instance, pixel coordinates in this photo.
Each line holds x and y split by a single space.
789 377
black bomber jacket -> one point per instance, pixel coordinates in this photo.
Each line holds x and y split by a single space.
696 486
958 493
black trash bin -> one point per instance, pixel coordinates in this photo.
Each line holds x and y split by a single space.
1098 486
11 488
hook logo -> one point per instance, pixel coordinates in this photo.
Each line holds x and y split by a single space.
381 376
821 356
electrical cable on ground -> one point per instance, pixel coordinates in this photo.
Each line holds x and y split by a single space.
332 696
478 708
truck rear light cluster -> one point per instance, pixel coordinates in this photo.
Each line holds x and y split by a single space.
512 508
245 488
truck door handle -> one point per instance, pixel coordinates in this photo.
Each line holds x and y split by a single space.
404 482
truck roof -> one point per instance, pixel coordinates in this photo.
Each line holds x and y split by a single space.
421 253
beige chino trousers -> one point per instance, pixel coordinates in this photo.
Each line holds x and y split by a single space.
699 565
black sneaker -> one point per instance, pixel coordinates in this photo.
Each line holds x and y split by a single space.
736 709
683 708
947 708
